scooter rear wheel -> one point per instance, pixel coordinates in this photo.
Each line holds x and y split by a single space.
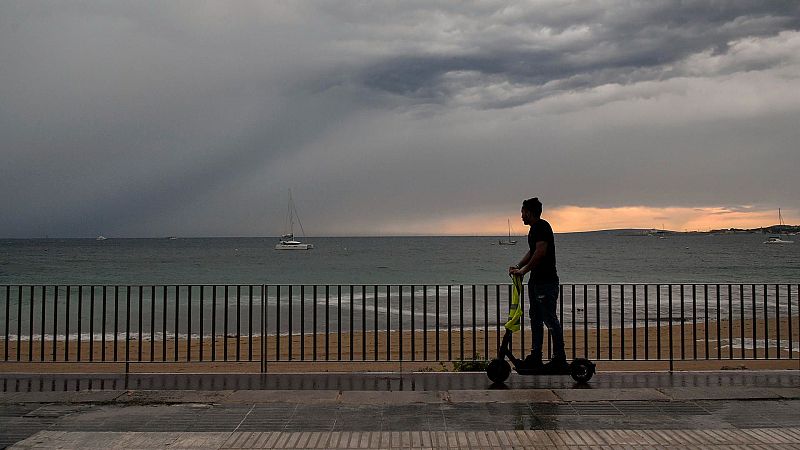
498 370
581 370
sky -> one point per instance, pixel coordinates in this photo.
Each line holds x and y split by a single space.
149 119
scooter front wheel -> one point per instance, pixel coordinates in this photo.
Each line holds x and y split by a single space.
498 370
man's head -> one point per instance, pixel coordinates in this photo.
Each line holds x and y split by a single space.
531 210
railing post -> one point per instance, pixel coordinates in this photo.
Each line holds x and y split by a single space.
658 321
789 315
460 322
778 319
80 322
264 297
213 322
128 329
388 323
238 323
44 320
635 331
8 322
670 329
350 327
302 322
66 322
585 322
766 324
314 325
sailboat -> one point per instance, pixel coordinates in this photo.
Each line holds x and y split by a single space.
509 241
288 242
779 239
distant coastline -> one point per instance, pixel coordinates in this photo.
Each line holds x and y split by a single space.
774 229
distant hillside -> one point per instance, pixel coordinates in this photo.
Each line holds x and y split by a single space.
613 232
774 229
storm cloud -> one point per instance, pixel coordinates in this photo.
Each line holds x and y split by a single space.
152 119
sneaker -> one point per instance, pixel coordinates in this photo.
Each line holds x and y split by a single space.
557 365
533 362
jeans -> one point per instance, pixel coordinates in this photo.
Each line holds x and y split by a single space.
543 299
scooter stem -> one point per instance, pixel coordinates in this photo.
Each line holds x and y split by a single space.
505 347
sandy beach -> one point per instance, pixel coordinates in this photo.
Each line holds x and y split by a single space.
619 348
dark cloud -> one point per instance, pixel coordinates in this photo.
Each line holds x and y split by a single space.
626 44
158 119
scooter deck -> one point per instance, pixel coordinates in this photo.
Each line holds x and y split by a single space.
542 370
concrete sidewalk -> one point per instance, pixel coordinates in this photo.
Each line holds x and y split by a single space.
524 439
642 410
330 397
387 381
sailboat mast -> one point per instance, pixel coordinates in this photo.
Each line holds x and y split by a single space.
290 214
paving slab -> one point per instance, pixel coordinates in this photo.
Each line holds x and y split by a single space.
172 396
62 397
7 397
599 395
39 397
200 440
719 393
301 396
788 393
390 398
94 396
502 396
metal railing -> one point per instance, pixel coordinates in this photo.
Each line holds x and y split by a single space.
384 323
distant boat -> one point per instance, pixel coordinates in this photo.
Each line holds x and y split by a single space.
100 238
660 234
288 242
779 238
509 241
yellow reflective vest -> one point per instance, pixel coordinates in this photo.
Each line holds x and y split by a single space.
515 313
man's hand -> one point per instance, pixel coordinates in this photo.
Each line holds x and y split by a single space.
515 271
511 269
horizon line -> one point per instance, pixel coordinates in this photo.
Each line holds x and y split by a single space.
167 237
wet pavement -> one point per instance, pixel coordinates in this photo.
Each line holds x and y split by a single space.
424 381
215 411
23 421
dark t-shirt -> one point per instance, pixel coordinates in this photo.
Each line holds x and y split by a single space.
545 272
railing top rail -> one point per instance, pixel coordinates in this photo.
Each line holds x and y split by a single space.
405 284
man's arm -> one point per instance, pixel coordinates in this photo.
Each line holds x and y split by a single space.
531 261
522 263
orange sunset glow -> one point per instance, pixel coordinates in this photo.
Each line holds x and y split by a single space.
567 219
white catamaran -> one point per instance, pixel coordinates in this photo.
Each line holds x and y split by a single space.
288 242
509 241
779 239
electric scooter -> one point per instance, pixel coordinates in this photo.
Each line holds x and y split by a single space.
498 370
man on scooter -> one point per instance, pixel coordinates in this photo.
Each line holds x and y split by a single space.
542 287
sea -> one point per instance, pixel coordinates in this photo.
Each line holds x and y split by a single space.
625 256
372 282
